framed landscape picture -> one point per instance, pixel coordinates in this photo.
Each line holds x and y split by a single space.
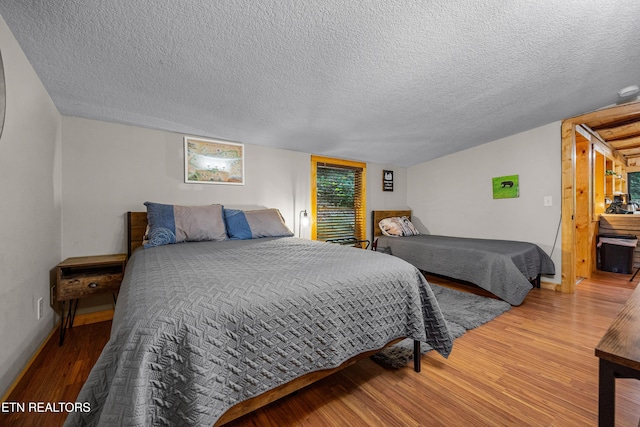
210 161
506 187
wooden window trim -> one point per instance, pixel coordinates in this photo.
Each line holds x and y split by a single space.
315 160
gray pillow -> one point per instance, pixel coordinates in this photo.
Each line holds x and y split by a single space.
175 224
267 223
198 223
255 224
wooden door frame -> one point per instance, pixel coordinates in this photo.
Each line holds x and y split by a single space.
568 129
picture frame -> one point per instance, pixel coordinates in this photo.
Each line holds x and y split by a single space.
506 187
387 180
3 96
212 161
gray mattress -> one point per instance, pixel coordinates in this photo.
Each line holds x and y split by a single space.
502 267
199 327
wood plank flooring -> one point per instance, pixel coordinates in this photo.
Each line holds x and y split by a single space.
532 366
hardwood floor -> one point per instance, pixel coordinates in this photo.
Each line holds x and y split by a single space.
533 366
57 374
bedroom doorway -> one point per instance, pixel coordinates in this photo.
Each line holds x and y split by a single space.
580 212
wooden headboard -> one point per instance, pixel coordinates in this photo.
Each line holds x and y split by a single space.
136 227
377 216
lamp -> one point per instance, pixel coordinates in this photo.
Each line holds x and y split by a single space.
303 221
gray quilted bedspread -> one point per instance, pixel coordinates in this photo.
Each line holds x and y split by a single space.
503 267
199 327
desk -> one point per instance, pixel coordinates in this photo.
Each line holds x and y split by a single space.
619 353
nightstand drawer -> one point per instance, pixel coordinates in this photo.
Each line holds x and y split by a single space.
86 285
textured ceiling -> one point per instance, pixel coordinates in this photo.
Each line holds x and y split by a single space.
393 82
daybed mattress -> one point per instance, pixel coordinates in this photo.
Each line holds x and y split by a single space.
199 327
502 267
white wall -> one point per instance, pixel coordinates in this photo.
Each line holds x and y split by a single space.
109 169
453 195
30 237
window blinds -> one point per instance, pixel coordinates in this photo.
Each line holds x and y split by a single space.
340 202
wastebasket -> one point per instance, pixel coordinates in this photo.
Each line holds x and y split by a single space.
615 252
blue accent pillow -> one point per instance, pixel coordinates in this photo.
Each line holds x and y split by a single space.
237 225
162 225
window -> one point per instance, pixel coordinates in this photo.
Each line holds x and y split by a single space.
338 197
634 186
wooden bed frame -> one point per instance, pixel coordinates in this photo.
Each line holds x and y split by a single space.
136 228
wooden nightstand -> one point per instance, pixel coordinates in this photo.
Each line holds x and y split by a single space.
81 277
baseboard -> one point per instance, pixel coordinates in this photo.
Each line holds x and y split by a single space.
550 285
80 319
95 317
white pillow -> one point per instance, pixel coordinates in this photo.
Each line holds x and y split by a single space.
397 227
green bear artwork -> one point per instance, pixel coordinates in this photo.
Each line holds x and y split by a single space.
506 187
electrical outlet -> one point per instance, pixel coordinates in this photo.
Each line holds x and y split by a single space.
39 309
548 201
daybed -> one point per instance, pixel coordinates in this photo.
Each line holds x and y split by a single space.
204 332
503 267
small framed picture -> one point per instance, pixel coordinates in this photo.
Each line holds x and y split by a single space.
506 187
210 161
387 180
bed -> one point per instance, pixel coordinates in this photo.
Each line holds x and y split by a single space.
205 332
503 267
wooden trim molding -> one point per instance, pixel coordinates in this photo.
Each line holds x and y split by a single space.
362 208
568 206
94 317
